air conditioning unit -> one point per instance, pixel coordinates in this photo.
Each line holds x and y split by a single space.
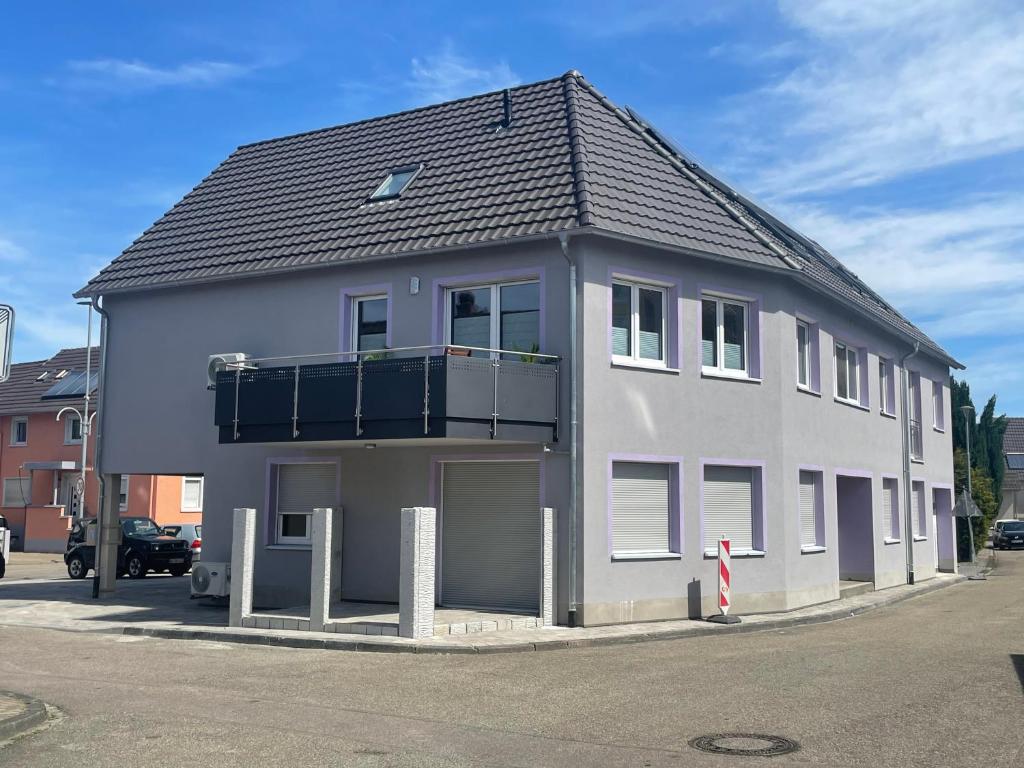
211 579
219 363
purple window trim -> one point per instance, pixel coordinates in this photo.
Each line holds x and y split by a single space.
813 353
861 473
674 306
759 523
347 302
897 506
819 504
270 508
442 284
675 513
755 353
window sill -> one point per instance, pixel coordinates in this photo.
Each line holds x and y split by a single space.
616 556
18 445
888 540
940 430
191 511
807 390
887 415
916 461
851 403
622 363
712 554
812 550
298 547
714 373
920 538
74 442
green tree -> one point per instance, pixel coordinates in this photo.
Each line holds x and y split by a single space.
983 493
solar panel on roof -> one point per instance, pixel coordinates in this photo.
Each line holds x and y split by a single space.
1015 460
72 385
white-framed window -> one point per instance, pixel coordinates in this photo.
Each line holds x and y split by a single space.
17 492
642 509
886 386
192 493
496 316
122 494
938 407
369 323
731 508
812 510
803 354
916 425
72 430
639 323
890 509
725 335
920 518
301 488
19 431
847 372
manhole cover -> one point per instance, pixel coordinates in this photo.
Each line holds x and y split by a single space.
754 744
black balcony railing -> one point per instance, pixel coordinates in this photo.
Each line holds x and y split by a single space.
496 395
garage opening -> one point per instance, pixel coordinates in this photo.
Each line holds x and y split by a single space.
855 529
491 535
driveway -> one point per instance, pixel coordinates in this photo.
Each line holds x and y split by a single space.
933 681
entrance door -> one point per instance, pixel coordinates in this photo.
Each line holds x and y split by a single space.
491 535
855 529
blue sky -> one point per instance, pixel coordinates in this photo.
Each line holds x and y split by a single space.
891 132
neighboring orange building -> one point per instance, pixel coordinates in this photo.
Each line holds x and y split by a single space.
40 459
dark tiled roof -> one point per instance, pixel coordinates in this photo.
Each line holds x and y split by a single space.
1013 442
571 160
21 393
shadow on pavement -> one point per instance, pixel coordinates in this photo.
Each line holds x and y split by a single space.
1018 665
69 604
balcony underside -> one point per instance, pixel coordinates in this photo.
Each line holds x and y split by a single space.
441 397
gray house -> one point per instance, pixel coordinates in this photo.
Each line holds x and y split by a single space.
521 301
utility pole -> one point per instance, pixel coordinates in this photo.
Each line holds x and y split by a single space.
970 493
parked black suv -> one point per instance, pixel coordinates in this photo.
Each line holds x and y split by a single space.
144 548
1009 534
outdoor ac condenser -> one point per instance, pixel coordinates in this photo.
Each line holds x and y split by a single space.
211 579
219 363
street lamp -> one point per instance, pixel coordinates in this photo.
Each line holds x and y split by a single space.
965 409
84 417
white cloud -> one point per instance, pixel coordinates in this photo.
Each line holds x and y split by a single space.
10 252
447 75
120 74
886 89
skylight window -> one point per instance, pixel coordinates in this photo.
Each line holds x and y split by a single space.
395 183
61 374
43 376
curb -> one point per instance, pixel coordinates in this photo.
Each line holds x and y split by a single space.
33 716
369 646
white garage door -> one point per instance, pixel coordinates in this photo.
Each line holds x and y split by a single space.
490 535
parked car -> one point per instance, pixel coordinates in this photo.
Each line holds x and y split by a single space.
144 548
190 532
1009 534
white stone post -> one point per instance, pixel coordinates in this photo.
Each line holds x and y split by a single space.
243 552
320 569
547 570
416 584
108 535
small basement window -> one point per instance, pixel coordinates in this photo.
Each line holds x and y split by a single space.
395 183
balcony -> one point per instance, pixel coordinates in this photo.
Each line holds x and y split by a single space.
413 393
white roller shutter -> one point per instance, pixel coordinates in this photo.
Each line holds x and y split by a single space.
808 509
917 497
491 535
888 506
640 507
728 507
303 487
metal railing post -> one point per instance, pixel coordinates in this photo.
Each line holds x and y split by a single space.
495 365
238 378
295 405
359 396
426 394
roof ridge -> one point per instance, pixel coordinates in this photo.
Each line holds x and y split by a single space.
680 165
579 164
399 113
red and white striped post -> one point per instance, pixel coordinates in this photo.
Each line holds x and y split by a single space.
724 584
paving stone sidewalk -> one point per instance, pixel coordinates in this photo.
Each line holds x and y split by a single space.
550 638
19 714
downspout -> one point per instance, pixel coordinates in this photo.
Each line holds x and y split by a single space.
563 240
98 443
908 514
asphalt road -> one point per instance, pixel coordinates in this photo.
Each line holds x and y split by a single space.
929 682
